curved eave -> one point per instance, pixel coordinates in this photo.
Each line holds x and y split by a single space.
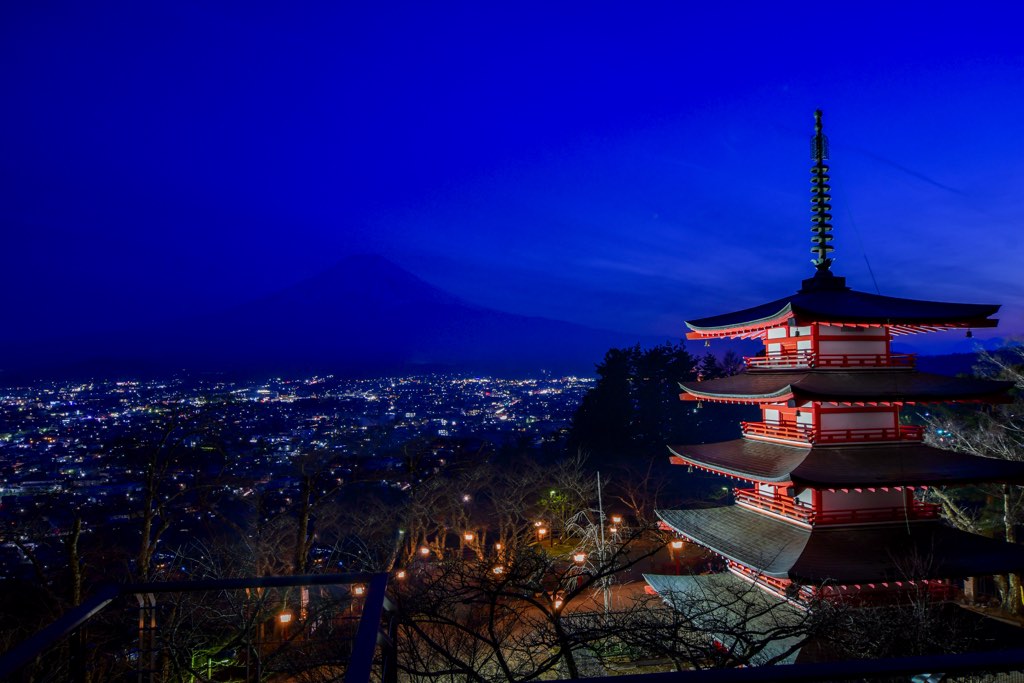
844 555
734 533
690 393
863 387
843 306
845 466
680 456
750 329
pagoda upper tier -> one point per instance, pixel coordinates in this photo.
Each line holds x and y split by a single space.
825 299
839 467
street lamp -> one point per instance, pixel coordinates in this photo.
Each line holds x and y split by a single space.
676 546
616 519
468 536
498 569
424 551
284 617
613 529
359 589
400 574
579 558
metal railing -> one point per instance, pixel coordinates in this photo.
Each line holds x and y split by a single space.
367 629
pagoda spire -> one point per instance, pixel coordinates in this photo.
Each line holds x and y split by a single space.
821 201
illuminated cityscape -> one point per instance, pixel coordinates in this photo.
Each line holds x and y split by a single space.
67 447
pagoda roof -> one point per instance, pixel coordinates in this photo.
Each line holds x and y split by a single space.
847 466
858 386
828 300
734 610
844 555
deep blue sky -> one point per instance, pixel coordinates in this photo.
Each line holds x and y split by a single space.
620 167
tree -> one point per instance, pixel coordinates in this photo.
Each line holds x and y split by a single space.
994 433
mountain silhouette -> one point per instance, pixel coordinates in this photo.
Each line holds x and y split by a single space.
365 316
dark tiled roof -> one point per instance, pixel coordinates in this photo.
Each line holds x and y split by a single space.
847 305
861 385
910 464
844 555
740 615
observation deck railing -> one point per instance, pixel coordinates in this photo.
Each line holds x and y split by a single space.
807 434
812 359
787 507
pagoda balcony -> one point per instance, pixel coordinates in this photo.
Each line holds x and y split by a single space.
845 361
807 434
785 506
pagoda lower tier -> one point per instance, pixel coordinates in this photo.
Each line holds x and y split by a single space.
845 466
843 555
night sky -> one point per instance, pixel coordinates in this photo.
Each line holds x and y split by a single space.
622 167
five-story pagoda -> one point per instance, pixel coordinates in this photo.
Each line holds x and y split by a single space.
826 504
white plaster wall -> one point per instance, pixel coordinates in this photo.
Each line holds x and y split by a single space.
826 347
857 420
776 332
771 415
850 331
862 500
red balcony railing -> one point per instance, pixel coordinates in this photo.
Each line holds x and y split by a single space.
787 507
790 431
780 505
783 431
810 359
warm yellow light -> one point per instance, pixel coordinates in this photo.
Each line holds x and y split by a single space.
497 546
284 617
358 590
424 551
498 569
542 531
400 574
580 558
558 603
538 524
617 519
613 529
468 535
677 545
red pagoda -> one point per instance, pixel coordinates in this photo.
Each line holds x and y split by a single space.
826 504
